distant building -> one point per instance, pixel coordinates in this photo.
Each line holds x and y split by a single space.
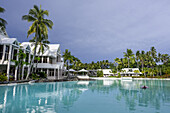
107 72
130 72
50 62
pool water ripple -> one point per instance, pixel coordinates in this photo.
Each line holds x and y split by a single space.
101 96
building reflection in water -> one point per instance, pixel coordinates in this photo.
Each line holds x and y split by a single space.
54 97
43 97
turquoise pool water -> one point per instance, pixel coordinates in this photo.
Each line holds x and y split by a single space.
108 96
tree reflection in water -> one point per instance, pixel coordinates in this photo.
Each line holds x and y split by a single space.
62 96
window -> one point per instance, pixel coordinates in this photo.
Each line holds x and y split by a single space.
27 57
1 51
130 70
6 52
40 59
15 55
50 60
45 71
45 59
51 72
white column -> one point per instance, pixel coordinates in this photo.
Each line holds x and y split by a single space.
55 73
58 73
29 60
9 61
23 67
48 59
16 68
47 72
3 55
61 71
42 59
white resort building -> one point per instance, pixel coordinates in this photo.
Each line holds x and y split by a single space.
130 72
107 72
50 62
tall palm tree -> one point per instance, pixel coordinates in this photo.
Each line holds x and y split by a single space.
165 58
128 55
39 27
68 59
118 61
142 59
2 21
159 60
137 58
153 52
43 46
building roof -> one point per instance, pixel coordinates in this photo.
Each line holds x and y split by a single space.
129 71
51 51
25 46
106 71
6 40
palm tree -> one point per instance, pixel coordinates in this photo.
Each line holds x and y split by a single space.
68 59
42 42
39 27
2 21
137 58
153 52
20 62
117 60
159 60
165 58
128 55
142 59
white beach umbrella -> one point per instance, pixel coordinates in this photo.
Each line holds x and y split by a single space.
83 70
71 70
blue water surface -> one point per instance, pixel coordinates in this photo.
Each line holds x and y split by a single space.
101 96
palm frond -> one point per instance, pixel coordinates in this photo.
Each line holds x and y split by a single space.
32 29
33 12
48 23
29 18
45 12
37 9
2 10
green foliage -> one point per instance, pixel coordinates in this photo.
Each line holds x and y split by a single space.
99 73
2 21
136 71
3 77
20 62
39 75
34 76
42 75
119 75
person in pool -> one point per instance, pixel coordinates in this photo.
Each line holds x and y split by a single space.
144 87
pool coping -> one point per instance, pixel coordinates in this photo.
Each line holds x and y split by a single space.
107 78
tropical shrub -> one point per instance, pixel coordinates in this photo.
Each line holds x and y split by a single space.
3 77
34 76
100 73
119 75
42 75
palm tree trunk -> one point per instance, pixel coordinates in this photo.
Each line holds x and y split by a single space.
32 61
160 72
19 72
128 62
157 70
37 63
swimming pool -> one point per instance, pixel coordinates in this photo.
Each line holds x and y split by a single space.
101 96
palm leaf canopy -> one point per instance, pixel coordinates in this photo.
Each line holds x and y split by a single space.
36 15
3 22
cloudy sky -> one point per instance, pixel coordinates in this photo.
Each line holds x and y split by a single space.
97 29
